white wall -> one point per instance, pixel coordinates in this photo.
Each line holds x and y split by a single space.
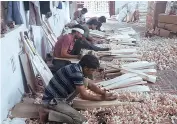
11 81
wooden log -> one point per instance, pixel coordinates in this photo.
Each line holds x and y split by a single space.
86 104
130 81
136 88
117 79
146 77
146 71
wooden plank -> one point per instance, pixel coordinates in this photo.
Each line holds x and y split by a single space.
130 81
121 51
139 65
127 56
117 79
131 84
146 77
29 75
51 41
86 104
146 71
136 88
45 74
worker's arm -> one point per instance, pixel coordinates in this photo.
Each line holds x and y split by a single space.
64 54
76 15
78 80
93 87
87 96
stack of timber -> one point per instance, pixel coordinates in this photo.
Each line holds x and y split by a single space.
144 69
122 54
125 80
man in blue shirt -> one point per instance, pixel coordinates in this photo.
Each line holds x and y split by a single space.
67 83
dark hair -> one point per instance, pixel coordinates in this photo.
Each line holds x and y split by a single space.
89 61
102 19
77 26
93 22
85 10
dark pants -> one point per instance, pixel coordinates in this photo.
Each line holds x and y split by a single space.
83 44
58 64
63 112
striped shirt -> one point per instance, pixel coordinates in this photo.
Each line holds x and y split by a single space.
64 82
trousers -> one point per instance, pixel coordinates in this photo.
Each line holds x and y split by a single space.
64 113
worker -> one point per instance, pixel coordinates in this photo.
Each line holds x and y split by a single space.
66 84
87 41
64 46
129 12
100 20
79 17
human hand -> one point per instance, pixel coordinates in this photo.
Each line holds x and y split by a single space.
109 98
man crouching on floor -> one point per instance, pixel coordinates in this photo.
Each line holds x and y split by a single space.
66 84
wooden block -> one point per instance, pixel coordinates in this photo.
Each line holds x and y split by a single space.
146 77
170 19
86 104
146 71
117 79
136 88
26 110
29 74
130 81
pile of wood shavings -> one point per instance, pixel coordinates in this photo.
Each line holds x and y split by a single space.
163 51
152 108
